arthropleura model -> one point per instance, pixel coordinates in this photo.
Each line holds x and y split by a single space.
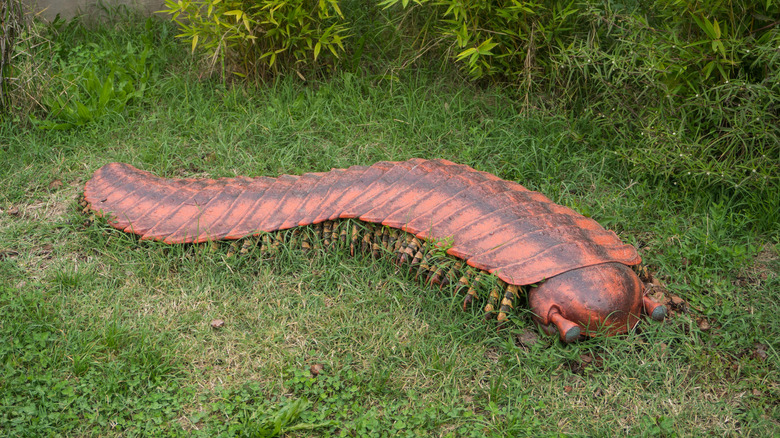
581 272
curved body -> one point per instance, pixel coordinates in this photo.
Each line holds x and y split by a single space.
494 225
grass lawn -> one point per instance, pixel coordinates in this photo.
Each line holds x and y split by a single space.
105 335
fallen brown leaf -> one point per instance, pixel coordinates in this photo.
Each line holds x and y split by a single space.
528 337
316 369
658 296
759 352
45 250
217 323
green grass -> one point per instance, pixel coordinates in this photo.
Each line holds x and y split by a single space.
104 335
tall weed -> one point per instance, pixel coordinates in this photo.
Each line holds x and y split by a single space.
23 61
11 26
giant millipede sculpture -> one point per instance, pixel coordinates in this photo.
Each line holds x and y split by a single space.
451 224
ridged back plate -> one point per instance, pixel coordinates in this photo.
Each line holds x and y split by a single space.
495 225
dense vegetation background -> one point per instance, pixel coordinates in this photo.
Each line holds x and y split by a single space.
657 118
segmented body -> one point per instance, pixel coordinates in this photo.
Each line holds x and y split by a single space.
425 261
489 224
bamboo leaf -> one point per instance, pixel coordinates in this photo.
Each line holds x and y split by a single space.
466 53
317 48
335 5
708 69
484 48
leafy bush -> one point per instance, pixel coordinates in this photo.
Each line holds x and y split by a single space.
89 73
254 37
91 81
707 42
691 94
510 39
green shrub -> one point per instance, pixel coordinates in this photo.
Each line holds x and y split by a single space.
255 38
90 81
683 104
707 42
508 39
86 71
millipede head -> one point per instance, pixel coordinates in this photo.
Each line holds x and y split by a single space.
600 298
